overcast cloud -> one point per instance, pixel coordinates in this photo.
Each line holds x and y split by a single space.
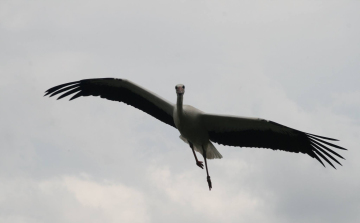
93 160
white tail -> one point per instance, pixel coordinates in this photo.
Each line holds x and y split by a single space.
211 151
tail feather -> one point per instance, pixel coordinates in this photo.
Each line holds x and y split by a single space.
211 151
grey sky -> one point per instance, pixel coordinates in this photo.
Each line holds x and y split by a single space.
93 160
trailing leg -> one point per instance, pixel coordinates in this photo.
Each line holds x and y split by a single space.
207 171
198 163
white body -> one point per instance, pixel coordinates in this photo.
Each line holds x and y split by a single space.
188 122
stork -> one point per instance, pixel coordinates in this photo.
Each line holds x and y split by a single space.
199 129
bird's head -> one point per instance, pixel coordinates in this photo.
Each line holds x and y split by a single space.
180 89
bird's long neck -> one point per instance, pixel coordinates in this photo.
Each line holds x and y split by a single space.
179 103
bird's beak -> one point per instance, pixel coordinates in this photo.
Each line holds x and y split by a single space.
180 91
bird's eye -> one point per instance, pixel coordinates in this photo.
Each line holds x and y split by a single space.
176 87
184 86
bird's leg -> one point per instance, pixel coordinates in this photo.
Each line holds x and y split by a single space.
198 163
207 171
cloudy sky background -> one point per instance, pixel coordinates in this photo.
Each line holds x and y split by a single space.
92 160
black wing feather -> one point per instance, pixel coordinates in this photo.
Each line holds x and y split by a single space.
322 137
64 89
111 89
324 147
277 137
326 153
327 143
51 90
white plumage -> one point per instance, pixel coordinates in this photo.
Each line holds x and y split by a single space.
211 151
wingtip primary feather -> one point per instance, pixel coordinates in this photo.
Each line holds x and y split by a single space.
325 147
67 88
327 143
79 94
50 90
316 157
326 153
68 93
324 157
322 137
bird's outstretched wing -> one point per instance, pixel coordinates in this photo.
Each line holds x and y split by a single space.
255 132
118 90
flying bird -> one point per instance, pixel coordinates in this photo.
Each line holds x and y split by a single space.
199 129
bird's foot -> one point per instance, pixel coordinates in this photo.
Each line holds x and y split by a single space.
209 182
200 164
